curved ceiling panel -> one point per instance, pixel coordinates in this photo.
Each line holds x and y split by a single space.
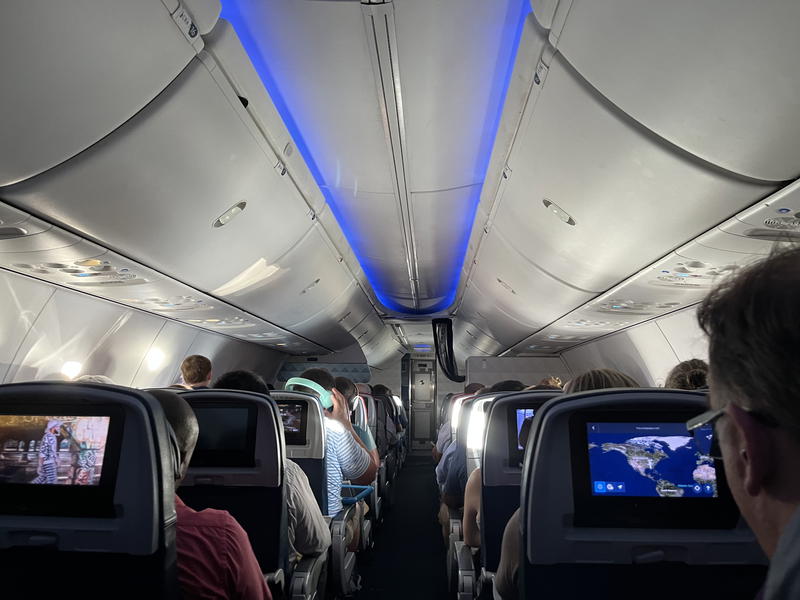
52 110
584 177
395 113
716 78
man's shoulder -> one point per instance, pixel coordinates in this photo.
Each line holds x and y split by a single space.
210 518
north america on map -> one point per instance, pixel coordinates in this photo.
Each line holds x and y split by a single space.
665 466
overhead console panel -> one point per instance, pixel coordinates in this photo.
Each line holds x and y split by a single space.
42 251
679 280
74 73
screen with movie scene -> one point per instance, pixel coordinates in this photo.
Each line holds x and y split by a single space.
650 460
292 416
52 450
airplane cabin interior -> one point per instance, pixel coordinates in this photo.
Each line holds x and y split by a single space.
392 292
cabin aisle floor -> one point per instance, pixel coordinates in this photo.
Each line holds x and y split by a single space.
408 560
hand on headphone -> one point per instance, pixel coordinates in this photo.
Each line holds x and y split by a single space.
339 411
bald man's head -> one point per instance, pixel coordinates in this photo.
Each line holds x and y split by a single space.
183 421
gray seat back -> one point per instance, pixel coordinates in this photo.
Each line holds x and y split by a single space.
238 466
305 444
501 467
95 491
581 541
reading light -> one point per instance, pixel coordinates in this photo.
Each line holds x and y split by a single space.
226 217
558 211
154 359
71 369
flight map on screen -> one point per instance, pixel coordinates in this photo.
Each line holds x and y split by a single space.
650 460
52 450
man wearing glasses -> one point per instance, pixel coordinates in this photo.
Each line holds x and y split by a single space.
753 324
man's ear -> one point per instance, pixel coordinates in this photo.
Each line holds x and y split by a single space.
755 450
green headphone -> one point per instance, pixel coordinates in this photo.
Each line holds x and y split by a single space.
325 396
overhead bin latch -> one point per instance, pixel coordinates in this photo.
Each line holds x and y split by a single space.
280 168
541 73
187 26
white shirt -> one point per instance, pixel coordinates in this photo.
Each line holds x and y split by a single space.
344 459
309 533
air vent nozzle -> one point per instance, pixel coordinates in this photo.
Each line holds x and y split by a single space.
9 233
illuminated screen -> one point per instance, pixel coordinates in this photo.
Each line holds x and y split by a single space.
52 450
522 414
650 460
293 416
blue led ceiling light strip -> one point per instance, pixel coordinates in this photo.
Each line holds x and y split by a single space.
512 33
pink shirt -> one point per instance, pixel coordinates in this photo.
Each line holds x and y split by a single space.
215 559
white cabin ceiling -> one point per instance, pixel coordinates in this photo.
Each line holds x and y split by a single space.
398 162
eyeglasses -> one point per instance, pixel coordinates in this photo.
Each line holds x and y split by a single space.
698 426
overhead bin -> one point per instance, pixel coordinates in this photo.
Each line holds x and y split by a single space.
192 187
585 179
73 72
715 78
157 185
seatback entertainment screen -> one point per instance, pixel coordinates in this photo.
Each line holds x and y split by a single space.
522 415
650 460
293 415
227 435
52 450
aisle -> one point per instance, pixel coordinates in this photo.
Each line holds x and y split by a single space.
408 560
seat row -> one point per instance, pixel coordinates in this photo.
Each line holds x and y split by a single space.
609 497
113 518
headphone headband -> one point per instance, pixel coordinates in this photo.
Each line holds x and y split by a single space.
325 396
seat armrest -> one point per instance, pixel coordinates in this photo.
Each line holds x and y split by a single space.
276 582
467 582
342 561
306 577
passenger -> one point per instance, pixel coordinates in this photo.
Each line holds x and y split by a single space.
456 478
689 375
309 533
349 391
246 381
445 433
509 385
347 458
94 379
600 379
472 496
196 372
215 559
474 388
549 383
754 345
382 390
506 581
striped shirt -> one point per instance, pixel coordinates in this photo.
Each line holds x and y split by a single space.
345 459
